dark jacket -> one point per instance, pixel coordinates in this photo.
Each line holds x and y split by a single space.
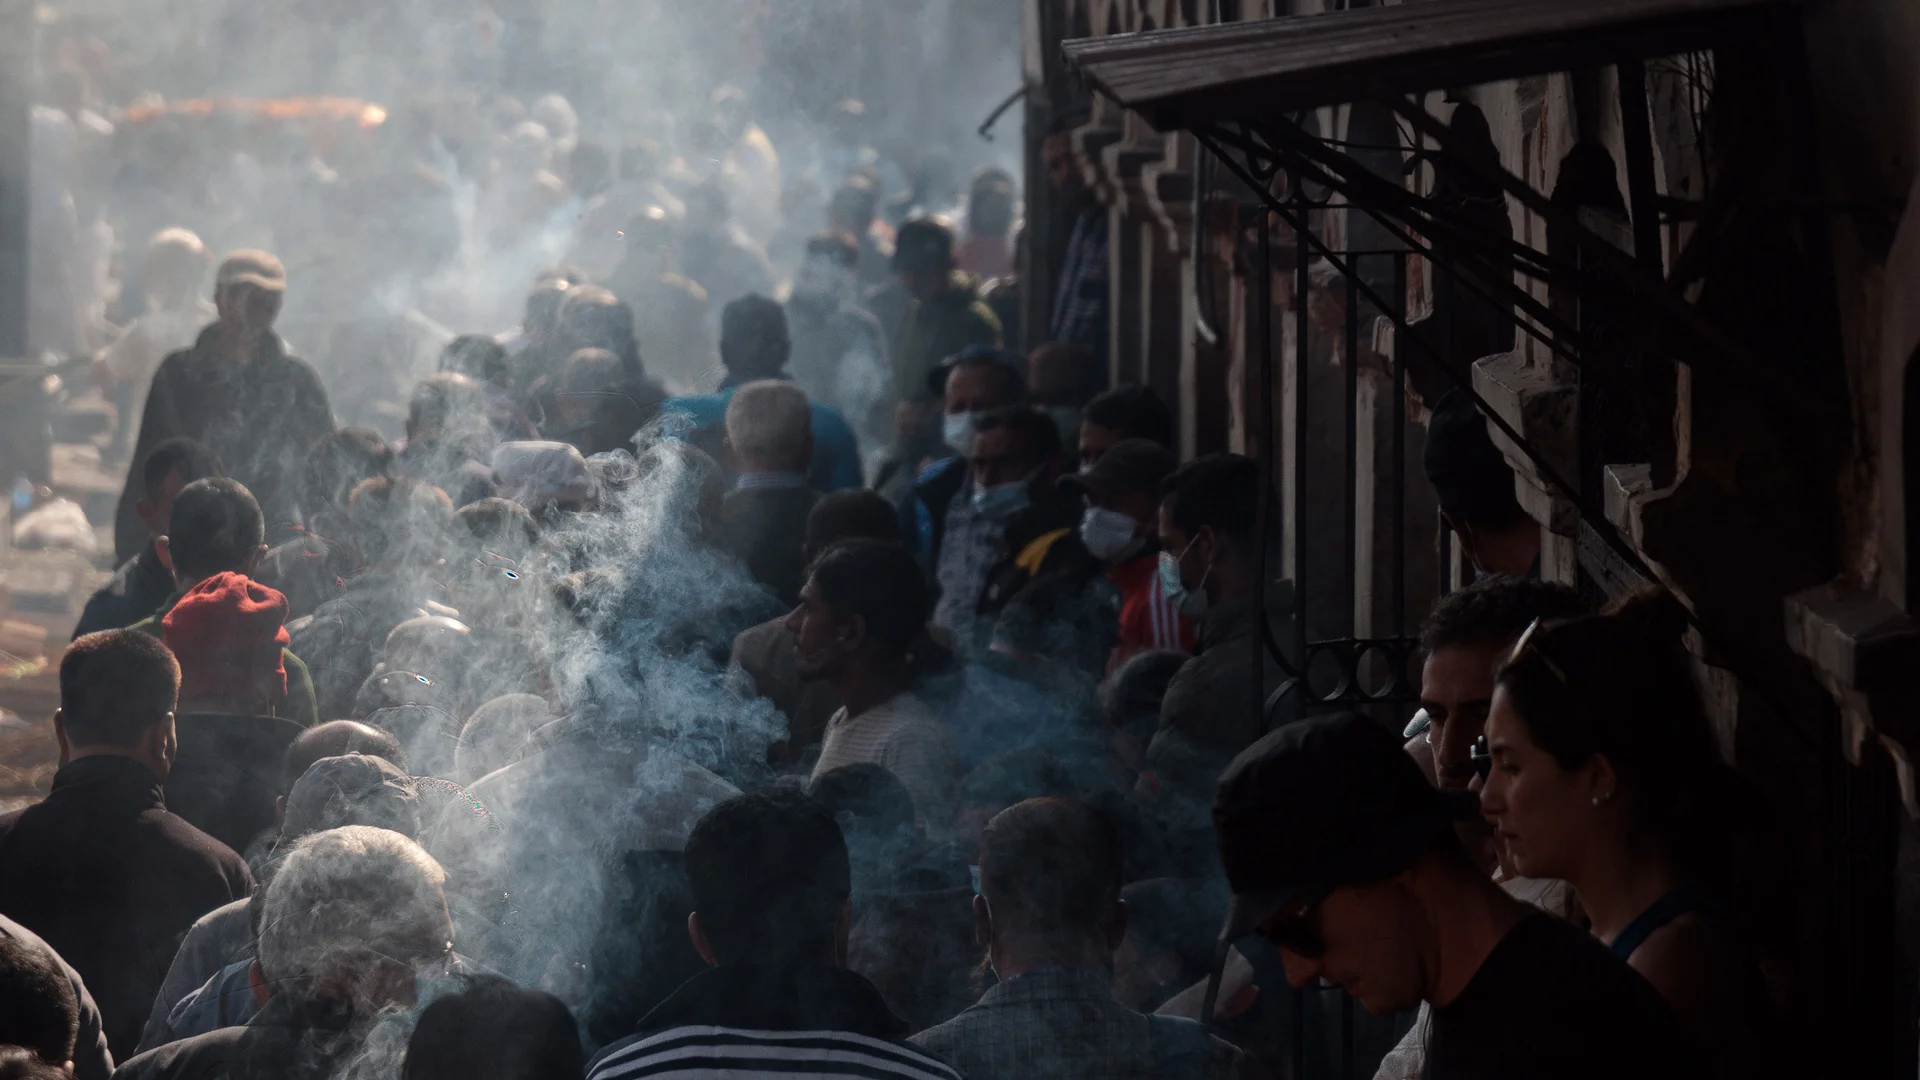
291 1038
260 418
135 591
763 527
923 514
227 775
778 998
91 1058
112 880
936 329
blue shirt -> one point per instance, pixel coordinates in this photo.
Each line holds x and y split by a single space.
836 453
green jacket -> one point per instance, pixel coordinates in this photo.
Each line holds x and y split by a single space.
301 706
938 328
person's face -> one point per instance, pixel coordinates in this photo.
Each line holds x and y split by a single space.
1365 939
1063 165
248 309
1456 688
924 284
1096 440
1195 550
1543 814
821 642
974 389
1000 457
156 512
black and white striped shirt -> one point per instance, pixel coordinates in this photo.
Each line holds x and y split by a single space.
686 1053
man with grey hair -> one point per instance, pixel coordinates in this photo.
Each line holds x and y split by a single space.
1050 916
351 919
770 446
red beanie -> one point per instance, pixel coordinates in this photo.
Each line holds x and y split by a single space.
226 629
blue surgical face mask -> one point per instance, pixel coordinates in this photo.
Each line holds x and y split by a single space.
956 430
1189 602
1109 534
1001 500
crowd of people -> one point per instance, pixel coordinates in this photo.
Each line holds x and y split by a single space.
884 708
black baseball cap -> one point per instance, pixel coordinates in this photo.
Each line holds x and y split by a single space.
923 244
1320 804
1011 366
1128 466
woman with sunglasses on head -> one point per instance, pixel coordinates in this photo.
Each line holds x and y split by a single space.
1606 774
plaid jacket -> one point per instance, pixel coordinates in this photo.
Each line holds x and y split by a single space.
1080 305
1064 1024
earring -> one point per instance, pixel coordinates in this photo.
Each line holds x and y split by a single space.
1602 797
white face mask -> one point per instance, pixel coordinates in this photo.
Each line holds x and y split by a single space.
956 430
1109 534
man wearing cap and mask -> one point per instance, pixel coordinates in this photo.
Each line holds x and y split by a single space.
944 316
1341 855
240 394
1119 527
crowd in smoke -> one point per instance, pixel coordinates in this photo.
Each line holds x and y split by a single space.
756 660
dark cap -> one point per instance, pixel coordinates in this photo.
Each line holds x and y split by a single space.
1320 804
923 244
1010 366
1129 466
351 789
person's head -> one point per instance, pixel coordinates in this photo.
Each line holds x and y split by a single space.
591 317
491 1029
494 733
847 124
229 635
853 514
1209 526
350 789
398 520
337 462
589 170
247 293
542 476
1061 377
754 342
38 1008
923 258
478 357
1124 412
649 239
990 206
332 739
175 269
1015 450
448 409
828 273
353 915
1332 840
118 689
1122 490
1131 697
1600 741
595 402
1050 877
1475 487
1063 158
864 604
214 527
770 880
770 428
542 314
1465 640
438 646
496 526
853 207
169 467
876 816
977 380
20 1063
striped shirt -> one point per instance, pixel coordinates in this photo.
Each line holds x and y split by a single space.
904 736
1148 619
690 1053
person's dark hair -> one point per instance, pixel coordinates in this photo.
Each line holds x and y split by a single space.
113 684
446 404
1136 412
477 356
754 340
1052 868
1069 119
990 207
398 517
1130 697
20 1063
1621 684
332 739
337 462
769 876
1034 429
38 1008
854 514
500 525
1468 473
188 457
594 371
923 244
835 245
880 583
1218 490
216 525
491 1029
1010 370
592 317
854 205
1495 611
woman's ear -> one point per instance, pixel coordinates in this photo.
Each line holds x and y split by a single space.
1603 782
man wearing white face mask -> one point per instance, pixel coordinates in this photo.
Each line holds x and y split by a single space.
1120 527
975 381
1016 457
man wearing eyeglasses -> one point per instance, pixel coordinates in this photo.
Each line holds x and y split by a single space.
1344 858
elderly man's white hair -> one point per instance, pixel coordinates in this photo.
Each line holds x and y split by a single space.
347 896
770 420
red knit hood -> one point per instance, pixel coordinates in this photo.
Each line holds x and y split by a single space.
227 629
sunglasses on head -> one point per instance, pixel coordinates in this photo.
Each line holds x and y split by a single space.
1296 928
1527 646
